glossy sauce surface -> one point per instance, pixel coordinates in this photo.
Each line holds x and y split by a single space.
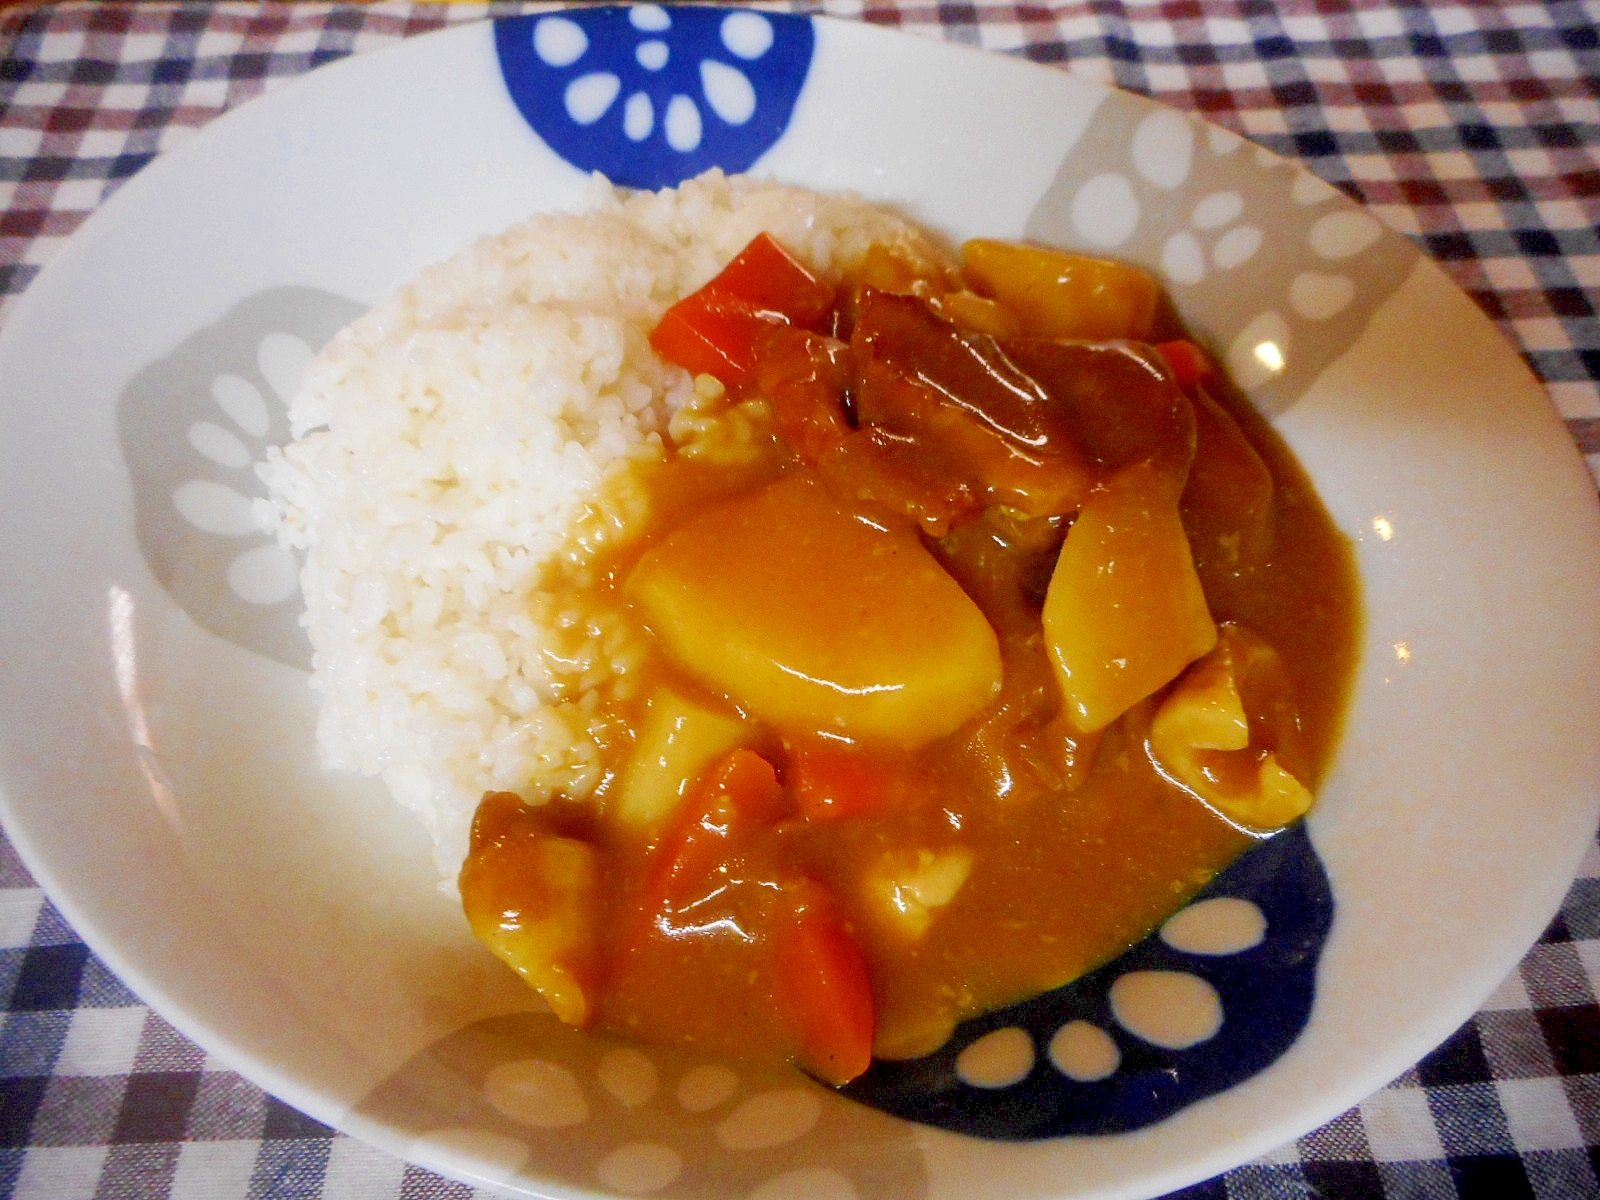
1010 848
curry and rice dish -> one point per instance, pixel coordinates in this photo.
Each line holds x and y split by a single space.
799 638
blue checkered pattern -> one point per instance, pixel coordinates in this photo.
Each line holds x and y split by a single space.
1473 127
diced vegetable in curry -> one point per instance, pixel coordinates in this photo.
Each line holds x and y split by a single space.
994 628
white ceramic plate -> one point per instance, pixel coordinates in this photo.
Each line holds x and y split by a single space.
155 724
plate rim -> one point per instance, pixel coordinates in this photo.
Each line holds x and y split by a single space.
74 908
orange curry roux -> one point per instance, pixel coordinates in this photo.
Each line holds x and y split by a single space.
821 887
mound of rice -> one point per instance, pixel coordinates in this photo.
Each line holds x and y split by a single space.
446 443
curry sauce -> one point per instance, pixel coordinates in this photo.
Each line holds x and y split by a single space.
979 635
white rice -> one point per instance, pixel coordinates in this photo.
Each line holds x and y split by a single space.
446 443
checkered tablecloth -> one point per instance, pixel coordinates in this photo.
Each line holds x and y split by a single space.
1471 126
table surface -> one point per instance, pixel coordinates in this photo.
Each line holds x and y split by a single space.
1472 127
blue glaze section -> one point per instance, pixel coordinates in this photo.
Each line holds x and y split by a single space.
1266 993
660 67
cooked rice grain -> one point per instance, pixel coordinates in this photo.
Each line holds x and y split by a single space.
447 445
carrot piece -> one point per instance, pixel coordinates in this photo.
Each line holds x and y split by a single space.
773 281
740 792
715 331
706 334
823 979
831 782
1188 363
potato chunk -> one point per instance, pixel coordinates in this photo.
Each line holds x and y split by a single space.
1059 295
816 620
1125 612
1229 733
533 898
907 889
677 739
